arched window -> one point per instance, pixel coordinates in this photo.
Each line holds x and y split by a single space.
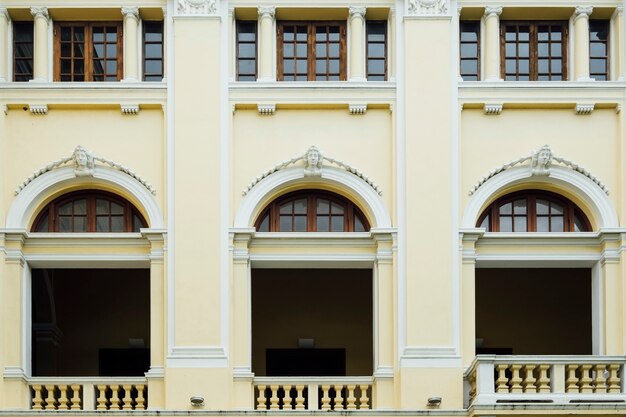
311 211
533 211
89 211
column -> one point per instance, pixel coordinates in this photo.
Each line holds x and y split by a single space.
357 44
266 55
492 43
131 55
40 57
620 46
581 43
4 45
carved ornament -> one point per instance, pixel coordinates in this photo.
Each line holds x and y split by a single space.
40 11
582 11
540 162
267 11
491 11
131 11
84 163
196 7
428 7
357 11
313 164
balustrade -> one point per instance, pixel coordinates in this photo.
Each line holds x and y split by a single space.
313 394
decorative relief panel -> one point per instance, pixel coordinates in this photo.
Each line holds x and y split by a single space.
428 7
196 7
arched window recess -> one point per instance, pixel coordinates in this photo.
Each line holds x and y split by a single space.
311 211
89 211
533 211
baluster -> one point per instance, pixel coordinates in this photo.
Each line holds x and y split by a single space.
516 380
543 382
102 398
338 401
51 403
261 400
37 399
76 405
613 380
599 382
585 380
350 398
274 397
364 401
529 378
325 397
299 397
63 400
571 382
501 382
127 401
286 398
140 401
116 403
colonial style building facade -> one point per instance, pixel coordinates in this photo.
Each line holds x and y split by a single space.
381 207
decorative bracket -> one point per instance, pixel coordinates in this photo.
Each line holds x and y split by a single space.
493 109
540 162
129 108
38 108
266 109
357 108
196 7
84 163
427 7
584 108
313 165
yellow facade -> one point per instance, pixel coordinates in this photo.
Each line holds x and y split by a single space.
379 207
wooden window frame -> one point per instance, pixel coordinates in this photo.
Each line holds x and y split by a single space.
256 49
88 56
311 58
51 211
478 50
386 46
16 58
606 74
144 42
570 211
533 46
273 211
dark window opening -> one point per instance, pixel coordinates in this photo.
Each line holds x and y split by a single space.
246 50
470 50
599 49
23 51
153 51
376 51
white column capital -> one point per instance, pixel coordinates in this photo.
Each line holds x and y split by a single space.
40 12
459 9
164 11
582 11
357 11
493 11
267 11
131 11
619 10
4 13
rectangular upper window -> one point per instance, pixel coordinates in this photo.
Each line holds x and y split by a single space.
469 50
311 51
599 49
246 50
534 51
376 50
22 51
152 51
88 51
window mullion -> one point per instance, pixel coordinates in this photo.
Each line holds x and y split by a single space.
310 52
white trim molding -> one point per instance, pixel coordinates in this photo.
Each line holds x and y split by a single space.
593 196
32 195
258 195
197 357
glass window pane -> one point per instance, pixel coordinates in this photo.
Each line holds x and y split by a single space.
323 225
246 50
300 206
117 208
337 224
42 226
102 206
265 224
286 208
288 49
300 223
555 50
377 50
485 223
323 206
506 224
543 66
358 224
506 208
543 49
520 223
523 50
98 51
285 223
511 66
80 206
378 66
98 34
80 225
597 49
65 208
155 67
336 208
524 66
542 224
102 224
333 50
301 66
557 224
111 35
65 224
556 66
117 224
66 34
542 206
111 67
556 209
520 206
597 66
320 50
334 66
579 224
79 34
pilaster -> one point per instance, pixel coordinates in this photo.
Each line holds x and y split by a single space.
357 43
266 40
492 43
41 53
581 43
131 41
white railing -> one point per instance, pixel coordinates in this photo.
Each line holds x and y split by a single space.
88 393
546 379
313 393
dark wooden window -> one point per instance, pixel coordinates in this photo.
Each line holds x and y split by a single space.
533 211
153 51
311 211
313 51
89 211
22 51
88 51
534 51
599 49
376 51
469 50
246 50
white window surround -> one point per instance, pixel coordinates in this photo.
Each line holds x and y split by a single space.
35 194
600 208
354 187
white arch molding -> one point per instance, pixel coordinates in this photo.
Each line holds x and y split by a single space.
32 196
602 209
256 198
